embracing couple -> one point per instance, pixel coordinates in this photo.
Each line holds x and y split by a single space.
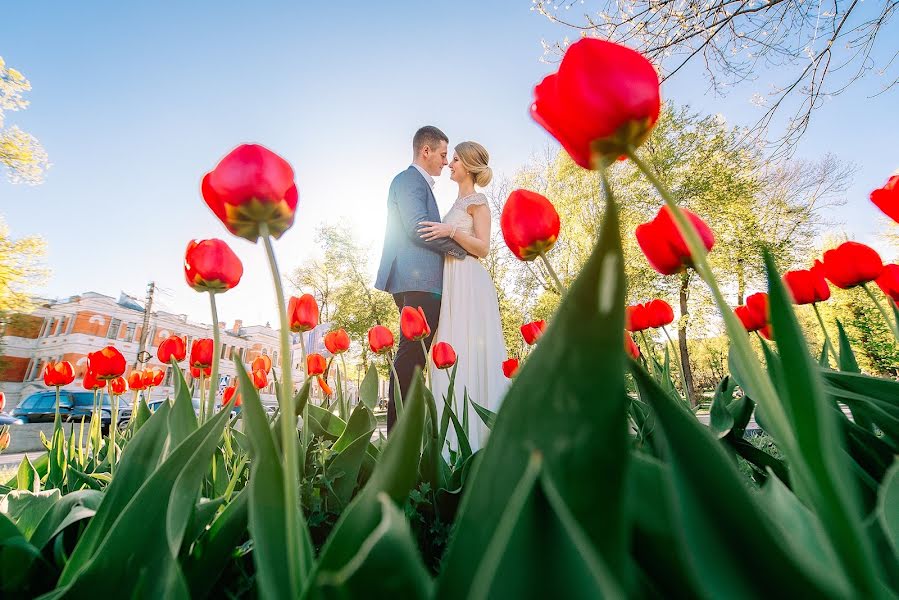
434 264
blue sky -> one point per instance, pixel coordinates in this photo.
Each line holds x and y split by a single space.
134 103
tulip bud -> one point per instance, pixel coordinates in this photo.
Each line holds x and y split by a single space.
414 324
201 353
755 314
380 339
887 198
326 389
807 286
337 342
260 379
443 355
262 362
531 332
211 266
171 347
252 186
118 386
315 364
2 401
92 382
529 223
135 381
603 101
631 347
659 313
851 264
888 281
510 367
229 393
302 313
195 372
107 363
664 247
59 374
152 377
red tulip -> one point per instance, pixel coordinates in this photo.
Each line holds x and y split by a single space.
152 377
302 313
510 367
631 347
755 314
118 386
380 339
414 324
636 318
263 362
107 363
136 381
2 404
211 266
663 245
337 342
229 393
887 198
531 332
92 382
59 374
888 281
851 264
444 356
604 100
659 313
195 372
315 364
807 286
252 186
171 347
260 379
530 224
326 389
201 353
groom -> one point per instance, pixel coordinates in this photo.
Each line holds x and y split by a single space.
412 269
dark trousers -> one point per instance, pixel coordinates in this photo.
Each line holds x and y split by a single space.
409 354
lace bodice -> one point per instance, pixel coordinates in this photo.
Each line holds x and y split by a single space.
458 214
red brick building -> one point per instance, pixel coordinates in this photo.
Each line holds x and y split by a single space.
70 328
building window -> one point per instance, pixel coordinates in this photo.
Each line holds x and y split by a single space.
61 329
114 326
275 359
168 377
129 332
51 324
224 350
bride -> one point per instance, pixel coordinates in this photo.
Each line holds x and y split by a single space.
469 313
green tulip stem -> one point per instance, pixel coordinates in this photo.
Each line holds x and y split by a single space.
677 359
427 367
766 394
112 431
345 382
202 396
827 343
398 390
886 317
552 273
216 350
288 422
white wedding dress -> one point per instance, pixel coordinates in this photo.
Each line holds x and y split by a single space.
470 323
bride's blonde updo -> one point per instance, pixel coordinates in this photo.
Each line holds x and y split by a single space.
474 158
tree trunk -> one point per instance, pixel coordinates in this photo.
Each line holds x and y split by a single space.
741 282
682 342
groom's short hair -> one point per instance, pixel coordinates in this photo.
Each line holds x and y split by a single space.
427 136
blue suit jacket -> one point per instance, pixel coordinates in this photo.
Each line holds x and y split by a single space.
409 263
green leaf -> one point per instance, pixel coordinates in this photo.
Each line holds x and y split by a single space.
721 421
386 565
888 506
847 356
819 469
132 551
488 417
361 423
27 477
276 577
568 402
139 460
347 464
141 416
394 475
213 551
21 563
461 432
718 517
26 508
69 509
182 418
368 390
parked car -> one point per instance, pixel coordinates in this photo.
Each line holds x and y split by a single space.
40 407
9 420
155 404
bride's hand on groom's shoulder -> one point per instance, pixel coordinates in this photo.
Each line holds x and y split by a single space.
434 230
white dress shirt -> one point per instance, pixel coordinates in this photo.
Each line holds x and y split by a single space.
426 175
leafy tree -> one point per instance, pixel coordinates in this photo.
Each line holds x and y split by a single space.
20 153
20 270
711 169
341 280
811 50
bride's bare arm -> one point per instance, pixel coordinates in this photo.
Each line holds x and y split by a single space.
476 245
